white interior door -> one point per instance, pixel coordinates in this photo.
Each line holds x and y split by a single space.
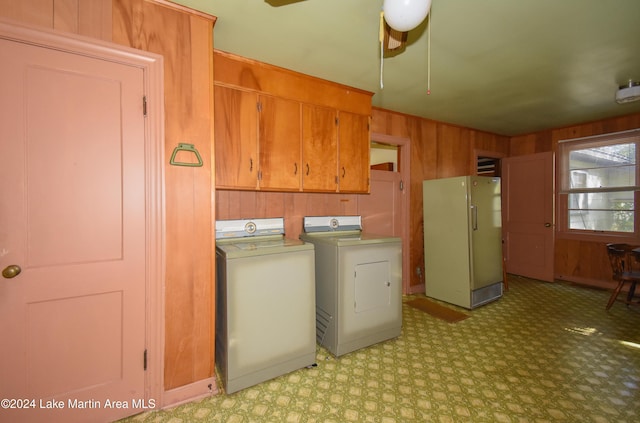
72 219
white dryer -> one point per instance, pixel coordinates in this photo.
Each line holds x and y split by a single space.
265 302
358 283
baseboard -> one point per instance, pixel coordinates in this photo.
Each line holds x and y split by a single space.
187 393
416 289
593 283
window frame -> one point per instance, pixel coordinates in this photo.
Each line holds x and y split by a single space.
564 148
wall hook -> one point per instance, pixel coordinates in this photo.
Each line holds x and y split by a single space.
185 147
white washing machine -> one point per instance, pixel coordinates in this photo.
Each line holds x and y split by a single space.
265 302
358 283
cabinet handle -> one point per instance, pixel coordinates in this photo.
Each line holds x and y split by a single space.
344 171
295 171
250 165
307 169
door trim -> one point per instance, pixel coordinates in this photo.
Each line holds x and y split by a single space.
152 66
404 146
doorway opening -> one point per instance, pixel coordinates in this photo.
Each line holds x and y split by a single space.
384 156
388 204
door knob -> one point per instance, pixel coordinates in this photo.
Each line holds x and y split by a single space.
11 271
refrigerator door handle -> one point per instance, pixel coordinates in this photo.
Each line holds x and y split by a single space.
474 217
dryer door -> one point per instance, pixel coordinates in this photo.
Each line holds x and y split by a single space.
372 286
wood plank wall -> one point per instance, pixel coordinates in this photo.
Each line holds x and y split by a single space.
91 18
583 262
185 40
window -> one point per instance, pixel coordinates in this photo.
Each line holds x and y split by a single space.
599 179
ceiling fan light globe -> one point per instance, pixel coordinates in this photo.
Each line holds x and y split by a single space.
404 15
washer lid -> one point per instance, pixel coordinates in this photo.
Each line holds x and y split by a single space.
332 223
243 228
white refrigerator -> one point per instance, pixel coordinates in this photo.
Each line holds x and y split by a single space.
463 240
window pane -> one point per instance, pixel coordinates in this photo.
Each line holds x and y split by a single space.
602 211
603 167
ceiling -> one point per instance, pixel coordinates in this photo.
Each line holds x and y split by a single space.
508 67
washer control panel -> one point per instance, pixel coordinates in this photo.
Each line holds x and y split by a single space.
241 228
332 223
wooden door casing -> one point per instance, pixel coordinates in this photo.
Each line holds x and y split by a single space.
83 208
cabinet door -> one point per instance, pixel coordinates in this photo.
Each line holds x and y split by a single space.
236 138
319 148
353 140
280 148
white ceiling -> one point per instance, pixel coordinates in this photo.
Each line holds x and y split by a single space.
508 67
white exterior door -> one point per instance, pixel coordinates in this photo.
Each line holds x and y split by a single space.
72 221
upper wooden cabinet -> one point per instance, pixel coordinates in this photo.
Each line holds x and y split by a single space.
279 144
236 138
280 130
257 141
319 148
354 142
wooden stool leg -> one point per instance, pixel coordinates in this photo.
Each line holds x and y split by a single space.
632 293
613 297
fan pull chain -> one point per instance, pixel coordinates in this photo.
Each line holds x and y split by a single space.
381 37
429 54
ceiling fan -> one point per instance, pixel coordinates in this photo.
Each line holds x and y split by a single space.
397 18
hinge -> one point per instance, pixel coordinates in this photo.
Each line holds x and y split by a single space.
144 360
144 105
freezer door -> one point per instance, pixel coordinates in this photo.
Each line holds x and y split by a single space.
446 240
486 231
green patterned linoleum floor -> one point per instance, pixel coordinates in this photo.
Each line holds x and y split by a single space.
543 353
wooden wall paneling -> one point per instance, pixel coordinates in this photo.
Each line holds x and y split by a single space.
521 145
159 26
490 142
293 214
33 12
270 204
246 208
423 166
454 156
91 18
95 19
